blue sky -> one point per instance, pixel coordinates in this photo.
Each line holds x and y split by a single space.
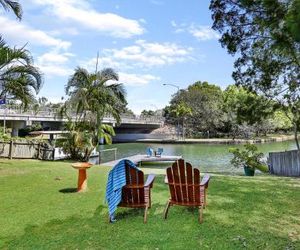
149 43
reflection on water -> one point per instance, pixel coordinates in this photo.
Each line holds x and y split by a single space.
209 157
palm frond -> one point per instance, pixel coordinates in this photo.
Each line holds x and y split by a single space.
14 6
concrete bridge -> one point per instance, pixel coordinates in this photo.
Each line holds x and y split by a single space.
16 118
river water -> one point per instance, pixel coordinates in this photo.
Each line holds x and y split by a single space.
208 157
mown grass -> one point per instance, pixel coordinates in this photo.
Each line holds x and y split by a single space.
39 211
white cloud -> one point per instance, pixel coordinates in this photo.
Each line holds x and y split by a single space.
201 32
136 80
54 63
55 70
19 33
82 13
51 63
146 55
141 55
103 62
129 79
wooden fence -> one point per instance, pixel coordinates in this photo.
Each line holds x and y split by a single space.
26 150
285 163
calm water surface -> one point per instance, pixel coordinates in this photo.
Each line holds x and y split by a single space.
208 157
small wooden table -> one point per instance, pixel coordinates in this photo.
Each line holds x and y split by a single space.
82 176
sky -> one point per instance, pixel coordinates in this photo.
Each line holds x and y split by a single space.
147 42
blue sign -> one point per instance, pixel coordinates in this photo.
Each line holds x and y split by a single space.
2 101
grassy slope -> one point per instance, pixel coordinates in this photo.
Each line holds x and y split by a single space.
259 213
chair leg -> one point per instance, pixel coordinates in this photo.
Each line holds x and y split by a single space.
200 214
149 199
145 215
205 202
167 210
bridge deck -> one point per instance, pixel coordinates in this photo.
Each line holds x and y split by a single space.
137 159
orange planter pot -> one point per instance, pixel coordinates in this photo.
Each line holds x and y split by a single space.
82 175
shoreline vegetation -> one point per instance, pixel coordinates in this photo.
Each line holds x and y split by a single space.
277 138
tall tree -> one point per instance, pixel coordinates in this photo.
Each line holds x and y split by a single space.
90 93
18 77
262 36
246 106
91 97
14 6
205 101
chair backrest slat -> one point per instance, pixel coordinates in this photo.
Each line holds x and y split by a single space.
197 185
141 192
176 181
133 181
171 183
131 193
189 178
183 182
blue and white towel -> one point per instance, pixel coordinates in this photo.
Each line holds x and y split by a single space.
115 182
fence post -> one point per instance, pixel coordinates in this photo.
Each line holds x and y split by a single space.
116 154
39 149
10 149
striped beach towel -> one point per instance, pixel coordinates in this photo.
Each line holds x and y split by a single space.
115 182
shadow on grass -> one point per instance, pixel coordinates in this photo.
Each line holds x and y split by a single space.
68 190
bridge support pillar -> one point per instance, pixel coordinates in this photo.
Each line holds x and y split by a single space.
16 125
28 123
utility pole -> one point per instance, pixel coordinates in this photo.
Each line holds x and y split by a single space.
3 102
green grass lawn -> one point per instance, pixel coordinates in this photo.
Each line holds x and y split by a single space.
38 211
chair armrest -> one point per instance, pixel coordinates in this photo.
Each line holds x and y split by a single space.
205 181
150 180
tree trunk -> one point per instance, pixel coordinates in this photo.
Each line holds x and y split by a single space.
296 136
183 132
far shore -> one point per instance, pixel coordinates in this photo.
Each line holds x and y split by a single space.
219 140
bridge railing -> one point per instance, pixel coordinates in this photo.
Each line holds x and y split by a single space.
51 113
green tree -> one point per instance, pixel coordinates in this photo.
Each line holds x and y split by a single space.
91 98
18 77
205 101
182 111
282 121
245 107
147 113
262 36
293 20
14 6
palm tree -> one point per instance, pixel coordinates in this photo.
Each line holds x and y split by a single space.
18 77
90 93
14 6
91 97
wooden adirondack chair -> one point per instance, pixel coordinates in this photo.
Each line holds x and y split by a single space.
185 187
136 193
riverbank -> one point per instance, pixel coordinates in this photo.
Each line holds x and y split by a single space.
279 138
